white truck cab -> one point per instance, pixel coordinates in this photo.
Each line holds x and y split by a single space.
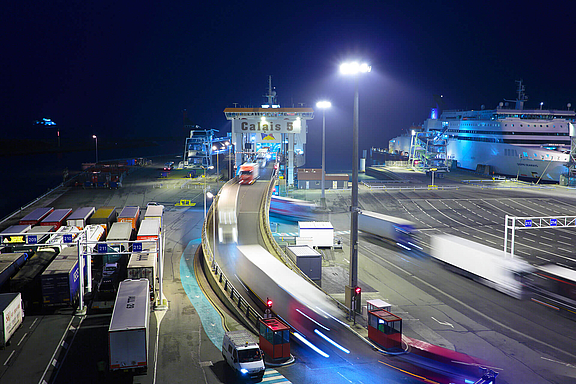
243 354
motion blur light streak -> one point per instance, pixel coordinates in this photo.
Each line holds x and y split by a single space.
315 348
411 374
331 341
312 320
403 246
415 246
332 317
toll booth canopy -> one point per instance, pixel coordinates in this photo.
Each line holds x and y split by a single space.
274 338
385 329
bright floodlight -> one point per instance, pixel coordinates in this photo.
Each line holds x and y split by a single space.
209 195
93 136
354 68
323 104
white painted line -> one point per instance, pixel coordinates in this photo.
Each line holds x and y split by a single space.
34 322
547 238
547 245
491 242
9 357
565 250
558 362
561 242
542 258
520 251
530 240
22 339
442 322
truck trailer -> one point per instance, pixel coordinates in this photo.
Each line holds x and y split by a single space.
79 218
104 216
399 231
36 216
491 267
10 263
128 333
130 215
61 282
12 312
27 280
143 266
57 218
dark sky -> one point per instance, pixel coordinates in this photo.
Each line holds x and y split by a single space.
118 68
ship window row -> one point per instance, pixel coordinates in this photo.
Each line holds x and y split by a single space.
536 125
512 141
501 133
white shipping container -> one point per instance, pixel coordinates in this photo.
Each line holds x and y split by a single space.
12 315
129 328
321 232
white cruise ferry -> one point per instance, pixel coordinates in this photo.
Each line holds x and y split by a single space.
529 143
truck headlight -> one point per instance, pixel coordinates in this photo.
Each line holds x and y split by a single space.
244 371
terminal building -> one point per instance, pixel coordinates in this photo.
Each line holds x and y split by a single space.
281 130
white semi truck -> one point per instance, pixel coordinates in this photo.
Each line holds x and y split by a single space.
399 231
490 266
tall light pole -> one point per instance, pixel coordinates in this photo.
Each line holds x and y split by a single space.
204 168
354 68
210 195
229 146
214 148
323 105
95 137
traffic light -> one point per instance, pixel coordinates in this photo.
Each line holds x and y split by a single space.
357 291
268 303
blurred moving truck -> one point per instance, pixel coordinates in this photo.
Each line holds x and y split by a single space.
248 173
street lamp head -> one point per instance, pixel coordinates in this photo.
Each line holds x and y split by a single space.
94 136
354 68
323 104
209 195
214 148
227 143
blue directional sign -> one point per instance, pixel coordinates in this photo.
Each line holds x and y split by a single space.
553 222
137 247
67 238
528 222
32 239
102 248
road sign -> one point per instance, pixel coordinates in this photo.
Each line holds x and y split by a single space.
102 248
553 222
32 239
528 222
67 238
137 247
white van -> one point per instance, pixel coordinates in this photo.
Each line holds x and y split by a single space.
243 354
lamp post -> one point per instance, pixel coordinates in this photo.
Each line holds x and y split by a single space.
229 146
214 148
210 195
95 137
354 68
541 104
204 175
323 105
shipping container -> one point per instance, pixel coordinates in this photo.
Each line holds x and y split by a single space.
61 282
12 315
17 234
128 333
57 218
149 230
130 215
315 233
307 259
104 216
10 263
79 218
36 216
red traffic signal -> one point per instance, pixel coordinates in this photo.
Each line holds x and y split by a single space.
357 291
268 303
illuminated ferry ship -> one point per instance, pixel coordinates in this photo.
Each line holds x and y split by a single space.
530 143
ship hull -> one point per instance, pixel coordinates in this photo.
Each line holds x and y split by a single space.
510 160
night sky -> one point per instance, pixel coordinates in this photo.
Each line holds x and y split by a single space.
125 69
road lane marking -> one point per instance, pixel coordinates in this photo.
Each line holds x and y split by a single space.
442 322
558 362
9 357
562 242
22 339
34 322
543 258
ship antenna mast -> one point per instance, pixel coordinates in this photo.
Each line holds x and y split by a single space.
521 98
